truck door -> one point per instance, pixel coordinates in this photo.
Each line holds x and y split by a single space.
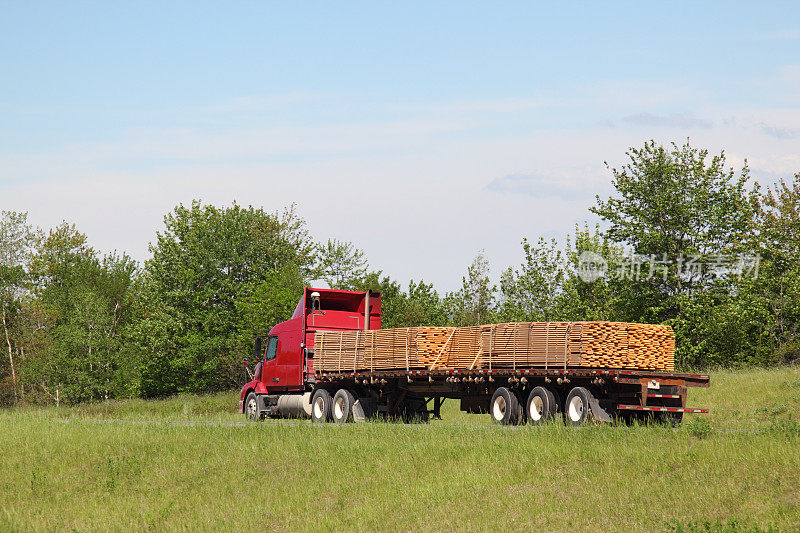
270 370
290 361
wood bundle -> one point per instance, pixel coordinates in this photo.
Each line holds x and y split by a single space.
507 345
651 346
339 351
431 342
462 350
381 349
531 344
604 344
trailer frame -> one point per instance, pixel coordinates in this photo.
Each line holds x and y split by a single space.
618 391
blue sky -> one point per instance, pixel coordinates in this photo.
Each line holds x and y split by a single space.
465 126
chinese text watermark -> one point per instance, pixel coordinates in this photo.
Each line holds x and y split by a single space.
635 267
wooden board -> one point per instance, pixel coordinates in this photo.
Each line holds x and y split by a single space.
504 345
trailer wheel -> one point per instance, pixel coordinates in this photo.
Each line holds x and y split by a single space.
577 407
504 407
541 405
321 406
251 411
342 407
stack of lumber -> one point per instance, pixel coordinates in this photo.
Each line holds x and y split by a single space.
507 345
651 346
431 342
604 344
341 351
381 349
530 344
624 345
463 349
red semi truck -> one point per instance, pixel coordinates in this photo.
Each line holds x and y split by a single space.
285 383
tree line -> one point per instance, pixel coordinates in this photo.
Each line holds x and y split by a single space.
684 240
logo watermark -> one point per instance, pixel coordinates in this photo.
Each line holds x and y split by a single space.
636 267
591 266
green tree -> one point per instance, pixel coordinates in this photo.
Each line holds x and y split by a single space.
423 306
532 293
592 289
777 285
392 296
85 302
677 204
270 302
474 302
17 243
341 264
677 201
679 207
208 268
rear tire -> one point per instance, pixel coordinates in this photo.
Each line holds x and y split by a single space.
251 411
342 406
577 407
321 406
541 406
504 408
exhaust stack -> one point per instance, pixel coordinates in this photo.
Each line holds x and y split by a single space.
366 311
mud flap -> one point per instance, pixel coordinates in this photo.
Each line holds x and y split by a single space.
358 412
598 412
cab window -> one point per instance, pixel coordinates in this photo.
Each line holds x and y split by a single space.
272 349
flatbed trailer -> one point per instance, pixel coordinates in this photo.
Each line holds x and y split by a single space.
612 392
510 396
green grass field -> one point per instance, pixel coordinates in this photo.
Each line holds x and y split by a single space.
163 465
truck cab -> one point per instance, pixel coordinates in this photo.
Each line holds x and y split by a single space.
285 365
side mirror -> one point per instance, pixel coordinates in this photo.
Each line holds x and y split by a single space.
258 350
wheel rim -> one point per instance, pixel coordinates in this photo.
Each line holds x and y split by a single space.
537 408
338 409
319 404
252 407
499 408
576 409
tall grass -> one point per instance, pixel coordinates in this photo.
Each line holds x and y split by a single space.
129 465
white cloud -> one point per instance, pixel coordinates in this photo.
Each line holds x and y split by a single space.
574 184
780 133
789 34
672 120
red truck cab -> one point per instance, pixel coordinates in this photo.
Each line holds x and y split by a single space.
286 365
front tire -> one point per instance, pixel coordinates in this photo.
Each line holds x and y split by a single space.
251 411
321 406
504 408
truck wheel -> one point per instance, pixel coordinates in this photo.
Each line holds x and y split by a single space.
321 406
541 405
251 411
504 407
342 407
577 408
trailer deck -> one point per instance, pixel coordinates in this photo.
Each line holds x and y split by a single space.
626 390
